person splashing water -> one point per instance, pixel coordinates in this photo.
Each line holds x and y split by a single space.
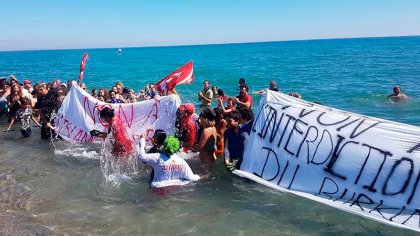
122 145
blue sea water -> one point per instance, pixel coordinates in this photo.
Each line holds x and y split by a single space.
45 191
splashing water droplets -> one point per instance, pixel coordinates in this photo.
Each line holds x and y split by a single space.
116 169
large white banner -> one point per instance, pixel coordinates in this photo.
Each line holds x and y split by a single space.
79 114
360 164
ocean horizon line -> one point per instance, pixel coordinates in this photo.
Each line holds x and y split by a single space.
215 44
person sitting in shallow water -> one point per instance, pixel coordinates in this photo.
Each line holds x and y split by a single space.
169 169
397 95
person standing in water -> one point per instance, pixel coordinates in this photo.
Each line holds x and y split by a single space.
122 145
205 95
168 168
207 144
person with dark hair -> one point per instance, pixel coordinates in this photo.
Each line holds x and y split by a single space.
272 87
151 92
244 99
122 145
246 114
168 168
221 126
113 97
4 92
233 141
94 93
205 95
47 105
221 97
207 144
241 82
24 115
157 140
214 89
397 95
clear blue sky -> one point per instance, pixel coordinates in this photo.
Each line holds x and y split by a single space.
52 24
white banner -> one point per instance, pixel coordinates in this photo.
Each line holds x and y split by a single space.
79 114
360 164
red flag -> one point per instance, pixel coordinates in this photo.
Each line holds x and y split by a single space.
182 75
82 65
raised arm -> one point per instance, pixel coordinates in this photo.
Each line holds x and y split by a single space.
149 158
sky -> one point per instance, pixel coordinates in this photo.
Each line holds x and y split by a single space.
68 24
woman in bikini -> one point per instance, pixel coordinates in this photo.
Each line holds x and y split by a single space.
207 143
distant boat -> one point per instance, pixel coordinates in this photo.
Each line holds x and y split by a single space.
119 51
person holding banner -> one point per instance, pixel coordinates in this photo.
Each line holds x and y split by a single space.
234 141
122 145
47 104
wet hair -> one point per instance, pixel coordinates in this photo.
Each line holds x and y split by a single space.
107 112
208 113
219 115
220 92
125 90
209 117
242 81
160 135
235 115
246 113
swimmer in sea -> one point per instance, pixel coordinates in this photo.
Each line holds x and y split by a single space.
397 95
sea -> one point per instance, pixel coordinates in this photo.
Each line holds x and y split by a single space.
58 188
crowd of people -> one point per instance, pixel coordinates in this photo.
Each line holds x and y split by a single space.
219 131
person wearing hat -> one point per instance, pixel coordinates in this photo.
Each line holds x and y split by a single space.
169 169
12 80
186 126
27 84
207 144
27 89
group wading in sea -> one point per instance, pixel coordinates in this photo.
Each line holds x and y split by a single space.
216 132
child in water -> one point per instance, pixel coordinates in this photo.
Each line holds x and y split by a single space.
24 115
